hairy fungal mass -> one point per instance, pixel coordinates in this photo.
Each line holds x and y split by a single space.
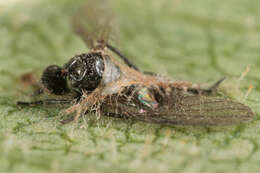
105 82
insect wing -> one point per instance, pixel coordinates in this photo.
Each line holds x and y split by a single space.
93 22
204 110
184 110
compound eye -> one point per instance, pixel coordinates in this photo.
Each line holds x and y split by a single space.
54 80
77 70
84 71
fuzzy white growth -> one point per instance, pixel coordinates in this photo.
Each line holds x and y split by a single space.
111 72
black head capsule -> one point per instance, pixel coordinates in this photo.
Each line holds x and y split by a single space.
84 72
54 79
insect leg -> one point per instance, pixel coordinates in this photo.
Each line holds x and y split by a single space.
123 57
116 115
68 120
150 73
215 86
72 118
126 60
208 91
45 102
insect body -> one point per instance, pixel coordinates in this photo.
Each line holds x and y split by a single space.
103 85
99 83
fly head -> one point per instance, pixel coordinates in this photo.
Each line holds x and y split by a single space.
84 71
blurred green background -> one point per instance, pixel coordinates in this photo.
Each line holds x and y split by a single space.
194 40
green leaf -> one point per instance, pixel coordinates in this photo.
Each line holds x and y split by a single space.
197 40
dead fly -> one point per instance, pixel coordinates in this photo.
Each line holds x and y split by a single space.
98 83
